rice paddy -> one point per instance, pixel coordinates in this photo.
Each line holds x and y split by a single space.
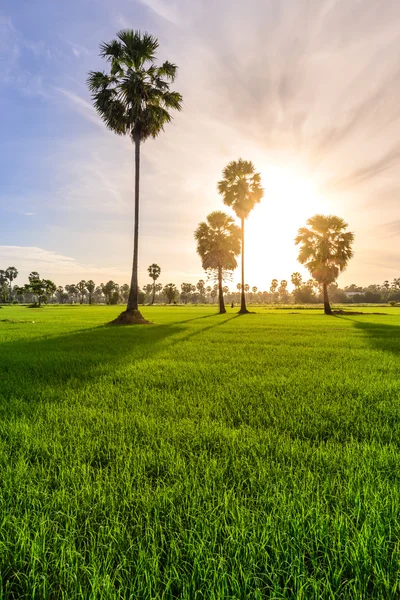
204 456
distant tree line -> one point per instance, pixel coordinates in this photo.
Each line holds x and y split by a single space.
45 291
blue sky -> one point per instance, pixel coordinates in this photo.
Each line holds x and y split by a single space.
307 90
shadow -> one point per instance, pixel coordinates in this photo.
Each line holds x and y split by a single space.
42 368
381 336
204 329
51 368
198 318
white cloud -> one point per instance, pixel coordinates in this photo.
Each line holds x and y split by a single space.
168 11
53 265
82 106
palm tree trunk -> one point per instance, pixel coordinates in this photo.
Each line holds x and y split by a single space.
132 314
327 306
243 309
222 309
133 294
154 291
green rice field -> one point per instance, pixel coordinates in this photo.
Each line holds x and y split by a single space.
202 457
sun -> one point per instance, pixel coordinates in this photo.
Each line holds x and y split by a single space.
290 198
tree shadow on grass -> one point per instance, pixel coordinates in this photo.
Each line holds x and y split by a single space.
202 330
381 336
41 369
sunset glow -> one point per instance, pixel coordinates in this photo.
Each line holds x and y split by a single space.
290 198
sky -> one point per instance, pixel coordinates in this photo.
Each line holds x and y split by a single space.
308 90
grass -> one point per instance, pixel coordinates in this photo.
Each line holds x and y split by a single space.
204 457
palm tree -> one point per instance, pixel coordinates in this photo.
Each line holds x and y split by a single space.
134 99
154 271
50 288
273 287
201 286
241 189
90 286
11 274
282 290
170 291
81 287
296 279
325 249
218 244
187 290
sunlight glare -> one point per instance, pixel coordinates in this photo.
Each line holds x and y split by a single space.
290 198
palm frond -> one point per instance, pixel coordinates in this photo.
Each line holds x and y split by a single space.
112 50
168 70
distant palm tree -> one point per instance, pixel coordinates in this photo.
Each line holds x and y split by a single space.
81 286
273 286
282 290
218 244
134 99
154 271
201 287
170 291
90 286
325 249
11 274
241 189
296 279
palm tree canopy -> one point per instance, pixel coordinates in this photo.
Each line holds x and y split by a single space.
154 271
241 187
296 279
325 247
218 241
11 273
134 97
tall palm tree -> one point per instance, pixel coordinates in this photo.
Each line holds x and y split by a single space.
325 249
154 271
134 99
241 189
218 244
